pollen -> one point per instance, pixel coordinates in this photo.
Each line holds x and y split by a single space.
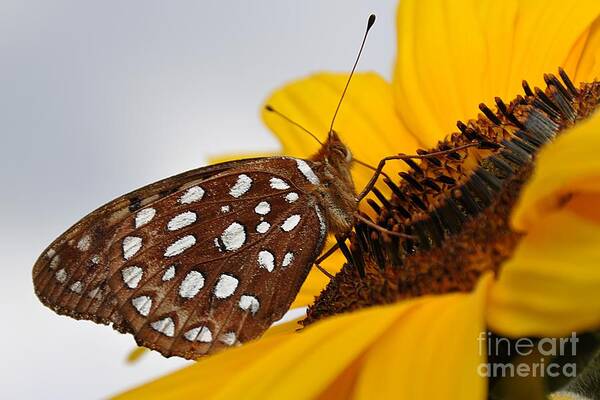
455 201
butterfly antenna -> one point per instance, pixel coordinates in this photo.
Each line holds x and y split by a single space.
291 121
370 23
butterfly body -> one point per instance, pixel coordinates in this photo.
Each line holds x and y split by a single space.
206 259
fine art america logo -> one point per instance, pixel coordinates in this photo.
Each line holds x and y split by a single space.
546 348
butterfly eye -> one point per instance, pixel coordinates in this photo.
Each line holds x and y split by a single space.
343 152
348 155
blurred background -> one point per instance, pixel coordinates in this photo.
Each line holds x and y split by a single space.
100 98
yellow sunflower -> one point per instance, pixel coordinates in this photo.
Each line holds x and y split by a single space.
452 56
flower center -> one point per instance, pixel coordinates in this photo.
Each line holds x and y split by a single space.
456 205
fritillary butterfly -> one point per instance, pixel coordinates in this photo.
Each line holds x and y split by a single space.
206 259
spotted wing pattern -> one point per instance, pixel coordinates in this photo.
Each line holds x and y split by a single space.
215 263
71 274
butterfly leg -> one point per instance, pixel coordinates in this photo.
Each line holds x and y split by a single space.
379 170
382 229
369 166
340 245
323 270
323 257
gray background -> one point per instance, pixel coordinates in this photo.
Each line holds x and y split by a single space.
99 98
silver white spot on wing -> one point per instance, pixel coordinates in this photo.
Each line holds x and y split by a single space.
249 303
291 197
263 227
180 245
226 286
243 184
142 304
144 216
307 172
228 338
95 259
193 194
287 259
61 275
322 223
131 245
266 260
169 274
182 220
165 326
234 236
291 222
191 284
132 276
225 209
279 184
95 293
50 253
76 287
84 243
262 208
199 334
54 262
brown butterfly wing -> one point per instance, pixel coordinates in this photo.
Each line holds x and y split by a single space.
220 261
71 275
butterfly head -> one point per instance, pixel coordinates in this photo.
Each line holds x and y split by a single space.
336 156
337 149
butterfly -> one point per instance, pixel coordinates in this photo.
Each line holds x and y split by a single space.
207 259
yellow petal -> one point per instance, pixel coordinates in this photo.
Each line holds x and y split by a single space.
550 286
342 387
432 352
435 337
286 327
567 168
367 120
206 377
587 61
135 354
452 55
